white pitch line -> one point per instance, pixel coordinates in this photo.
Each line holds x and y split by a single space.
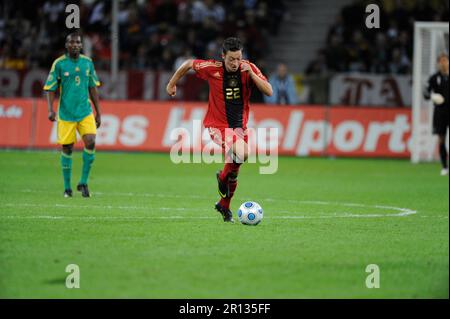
296 216
107 207
105 217
184 209
129 194
119 218
401 212
294 201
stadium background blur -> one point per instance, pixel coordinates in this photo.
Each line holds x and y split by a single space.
315 41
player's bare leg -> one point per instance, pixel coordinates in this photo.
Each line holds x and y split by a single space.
66 164
443 154
240 151
88 159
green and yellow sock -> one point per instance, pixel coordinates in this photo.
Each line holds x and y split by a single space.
88 159
66 164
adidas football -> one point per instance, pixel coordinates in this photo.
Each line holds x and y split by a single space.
250 213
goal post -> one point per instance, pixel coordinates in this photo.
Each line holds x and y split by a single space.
430 39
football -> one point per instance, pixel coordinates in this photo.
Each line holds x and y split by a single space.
250 213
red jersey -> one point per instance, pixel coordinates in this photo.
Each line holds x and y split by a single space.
229 94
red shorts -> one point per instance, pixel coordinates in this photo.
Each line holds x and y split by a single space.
226 137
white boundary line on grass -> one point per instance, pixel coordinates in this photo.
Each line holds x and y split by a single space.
399 212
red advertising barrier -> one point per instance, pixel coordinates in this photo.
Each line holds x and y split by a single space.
16 122
370 132
154 126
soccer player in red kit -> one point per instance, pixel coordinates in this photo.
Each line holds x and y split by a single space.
230 87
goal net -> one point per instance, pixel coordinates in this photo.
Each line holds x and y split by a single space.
430 39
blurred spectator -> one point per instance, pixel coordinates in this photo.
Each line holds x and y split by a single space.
100 17
283 86
152 33
389 49
167 12
207 9
337 29
250 4
277 9
358 53
214 49
13 60
167 60
2 25
399 63
185 10
318 66
381 55
140 62
336 55
187 54
53 11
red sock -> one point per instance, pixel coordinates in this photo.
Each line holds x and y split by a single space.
225 202
226 170
232 182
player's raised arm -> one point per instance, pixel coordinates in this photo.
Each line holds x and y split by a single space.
171 87
257 77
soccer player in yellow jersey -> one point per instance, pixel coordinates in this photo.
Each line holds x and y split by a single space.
75 76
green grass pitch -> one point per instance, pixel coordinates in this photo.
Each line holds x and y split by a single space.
150 230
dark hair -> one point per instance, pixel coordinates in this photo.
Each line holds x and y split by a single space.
231 44
72 35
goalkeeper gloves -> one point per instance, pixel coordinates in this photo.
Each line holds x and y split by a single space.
437 98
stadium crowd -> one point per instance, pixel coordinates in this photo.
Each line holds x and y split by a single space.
160 34
351 47
153 33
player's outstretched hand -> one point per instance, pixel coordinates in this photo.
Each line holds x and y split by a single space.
52 116
98 120
171 90
245 67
